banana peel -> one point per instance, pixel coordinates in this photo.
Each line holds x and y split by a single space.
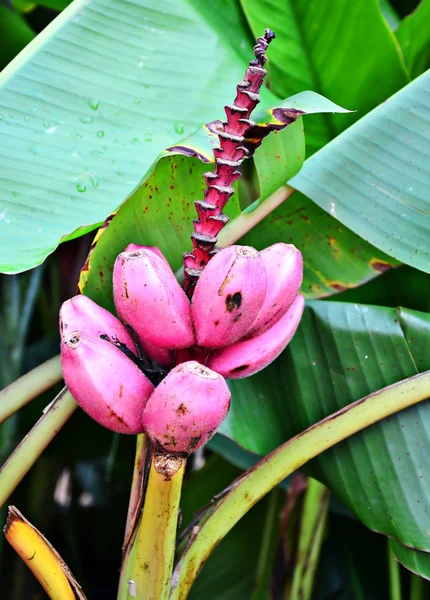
43 560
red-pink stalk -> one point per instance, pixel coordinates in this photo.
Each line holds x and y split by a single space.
228 158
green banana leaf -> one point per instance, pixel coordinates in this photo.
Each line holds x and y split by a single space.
340 353
342 50
374 178
88 106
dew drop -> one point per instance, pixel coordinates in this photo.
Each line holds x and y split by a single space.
137 100
179 128
92 103
146 85
100 133
94 181
85 119
135 140
81 187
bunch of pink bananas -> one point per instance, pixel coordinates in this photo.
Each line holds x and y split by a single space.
244 311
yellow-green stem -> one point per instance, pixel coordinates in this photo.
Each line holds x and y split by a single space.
29 386
147 571
271 470
237 228
312 525
37 439
394 575
136 486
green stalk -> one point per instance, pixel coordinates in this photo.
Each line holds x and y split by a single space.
31 447
272 469
29 386
147 570
418 591
136 494
269 542
312 525
394 575
236 229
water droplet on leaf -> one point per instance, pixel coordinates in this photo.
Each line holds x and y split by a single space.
85 119
81 187
179 128
100 133
92 103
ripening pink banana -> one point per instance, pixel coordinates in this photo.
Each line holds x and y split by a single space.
162 356
250 356
148 297
81 313
228 296
284 270
154 249
105 382
186 408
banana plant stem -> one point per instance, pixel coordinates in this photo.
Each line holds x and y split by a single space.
137 485
29 386
31 447
418 590
312 525
394 575
147 570
237 228
272 469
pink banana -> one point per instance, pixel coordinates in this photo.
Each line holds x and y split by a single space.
250 356
228 296
154 249
186 408
162 356
148 297
105 382
284 270
80 313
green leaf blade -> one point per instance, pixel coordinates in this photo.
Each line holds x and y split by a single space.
90 104
374 177
340 353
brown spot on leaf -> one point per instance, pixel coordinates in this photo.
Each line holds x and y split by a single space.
338 287
380 265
